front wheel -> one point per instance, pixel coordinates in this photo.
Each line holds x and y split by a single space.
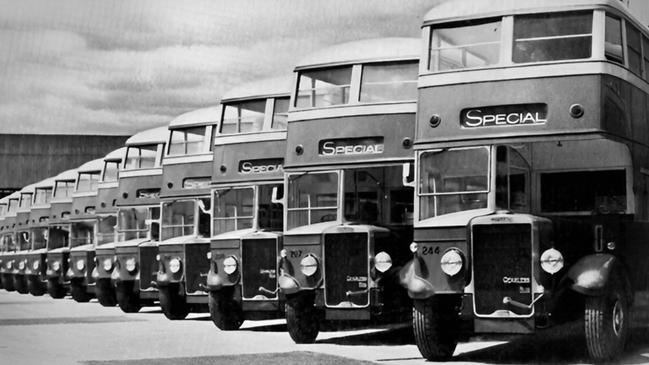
79 292
55 289
606 324
172 302
302 320
226 312
20 283
128 299
435 322
8 282
105 293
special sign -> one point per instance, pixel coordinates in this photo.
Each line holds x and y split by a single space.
504 115
351 146
262 166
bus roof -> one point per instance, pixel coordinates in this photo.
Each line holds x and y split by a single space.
46 183
453 10
14 195
203 116
28 189
149 136
66 175
367 50
90 166
116 155
265 88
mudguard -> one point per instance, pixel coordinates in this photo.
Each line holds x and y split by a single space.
216 282
288 284
591 274
418 287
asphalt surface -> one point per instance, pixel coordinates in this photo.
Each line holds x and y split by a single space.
42 330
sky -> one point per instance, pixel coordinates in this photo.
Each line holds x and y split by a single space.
122 66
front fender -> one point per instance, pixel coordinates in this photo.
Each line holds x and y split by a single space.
217 282
591 274
418 287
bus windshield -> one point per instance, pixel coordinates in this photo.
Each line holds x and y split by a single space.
23 241
233 209
453 180
106 229
179 218
39 238
58 236
312 198
82 233
132 223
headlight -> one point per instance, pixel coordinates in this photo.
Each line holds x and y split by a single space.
382 261
551 261
414 247
174 265
130 264
35 265
283 253
107 264
56 265
21 265
451 262
230 265
81 265
309 265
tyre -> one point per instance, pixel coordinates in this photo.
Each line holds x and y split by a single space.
606 323
172 302
105 293
8 282
301 319
79 292
435 323
55 289
226 312
36 287
20 284
127 299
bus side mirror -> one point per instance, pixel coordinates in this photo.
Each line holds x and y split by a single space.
408 175
274 199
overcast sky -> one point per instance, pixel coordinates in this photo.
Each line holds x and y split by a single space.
118 67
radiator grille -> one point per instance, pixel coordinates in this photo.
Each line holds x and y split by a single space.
346 269
259 267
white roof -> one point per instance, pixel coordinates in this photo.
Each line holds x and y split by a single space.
203 116
28 189
66 175
461 9
367 50
276 86
46 183
94 165
149 136
14 195
118 154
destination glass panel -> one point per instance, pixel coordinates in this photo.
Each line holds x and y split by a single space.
601 192
552 37
324 87
243 117
389 82
141 157
233 209
476 44
82 233
187 141
453 181
312 198
177 219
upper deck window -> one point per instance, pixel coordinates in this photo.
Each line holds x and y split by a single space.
141 157
43 195
187 141
13 205
324 87
552 37
280 113
645 47
63 189
465 45
388 82
87 181
634 49
110 171
25 200
243 117
613 39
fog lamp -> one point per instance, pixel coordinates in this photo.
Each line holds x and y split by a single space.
130 265
56 265
174 265
81 265
230 265
21 265
107 264
551 261
35 265
414 247
309 265
451 262
382 261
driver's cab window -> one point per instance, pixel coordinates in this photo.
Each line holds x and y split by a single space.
512 180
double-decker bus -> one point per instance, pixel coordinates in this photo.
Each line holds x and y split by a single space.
23 241
58 237
39 215
348 203
106 209
87 229
247 214
532 148
138 226
185 213
9 244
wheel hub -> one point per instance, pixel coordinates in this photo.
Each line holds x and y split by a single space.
618 318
